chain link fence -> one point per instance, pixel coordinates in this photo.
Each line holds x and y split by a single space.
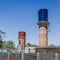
29 56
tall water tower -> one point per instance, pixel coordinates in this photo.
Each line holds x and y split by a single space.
43 27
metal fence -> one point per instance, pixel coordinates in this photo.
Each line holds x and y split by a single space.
47 56
30 56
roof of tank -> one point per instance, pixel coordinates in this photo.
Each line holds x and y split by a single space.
21 32
43 9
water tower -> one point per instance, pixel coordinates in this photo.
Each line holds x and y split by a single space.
22 38
43 27
21 41
43 34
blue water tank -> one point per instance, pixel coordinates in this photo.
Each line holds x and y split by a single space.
43 15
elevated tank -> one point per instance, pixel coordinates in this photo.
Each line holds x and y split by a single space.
21 34
22 39
43 15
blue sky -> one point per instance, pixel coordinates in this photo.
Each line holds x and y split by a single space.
22 15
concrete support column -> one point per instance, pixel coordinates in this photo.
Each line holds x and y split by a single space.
8 56
38 56
22 56
56 56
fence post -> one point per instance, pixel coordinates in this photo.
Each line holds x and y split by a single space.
38 56
22 55
8 56
56 56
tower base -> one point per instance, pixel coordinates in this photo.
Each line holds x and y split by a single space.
48 49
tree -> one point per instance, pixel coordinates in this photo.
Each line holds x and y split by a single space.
1 38
31 45
52 45
28 44
1 43
9 45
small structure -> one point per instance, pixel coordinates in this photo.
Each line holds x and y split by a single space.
30 49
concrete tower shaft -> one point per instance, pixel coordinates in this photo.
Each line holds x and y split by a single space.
43 34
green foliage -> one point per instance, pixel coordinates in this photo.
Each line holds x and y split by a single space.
1 32
52 45
6 44
9 45
1 38
31 45
1 43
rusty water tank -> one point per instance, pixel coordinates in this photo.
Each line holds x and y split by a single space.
22 38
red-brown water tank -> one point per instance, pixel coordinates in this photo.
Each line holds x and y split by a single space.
21 34
22 38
